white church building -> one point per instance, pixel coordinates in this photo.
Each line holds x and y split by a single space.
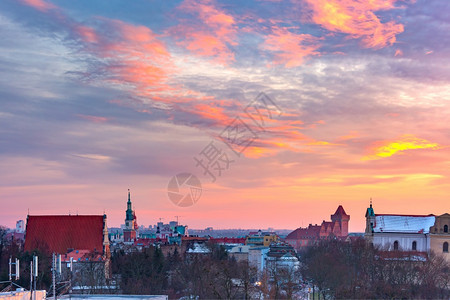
399 232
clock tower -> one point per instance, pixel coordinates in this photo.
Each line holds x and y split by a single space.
129 232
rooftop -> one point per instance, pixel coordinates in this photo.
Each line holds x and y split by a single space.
403 223
61 233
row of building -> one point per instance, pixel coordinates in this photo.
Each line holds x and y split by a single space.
81 239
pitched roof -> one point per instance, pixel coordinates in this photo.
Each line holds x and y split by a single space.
403 223
313 231
60 233
340 211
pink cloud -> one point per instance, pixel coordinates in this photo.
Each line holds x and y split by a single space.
289 48
358 19
40 5
212 36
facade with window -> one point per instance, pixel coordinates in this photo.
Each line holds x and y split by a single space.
399 232
440 236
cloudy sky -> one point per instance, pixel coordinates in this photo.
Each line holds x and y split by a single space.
100 96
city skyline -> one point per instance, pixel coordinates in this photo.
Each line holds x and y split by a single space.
99 98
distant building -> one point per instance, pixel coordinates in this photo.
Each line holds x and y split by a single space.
398 232
240 252
257 258
282 256
440 236
129 231
304 237
20 226
173 232
261 238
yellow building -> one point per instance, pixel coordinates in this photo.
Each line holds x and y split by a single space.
440 236
260 238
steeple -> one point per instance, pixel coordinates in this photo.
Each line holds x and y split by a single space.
370 212
129 232
129 211
370 220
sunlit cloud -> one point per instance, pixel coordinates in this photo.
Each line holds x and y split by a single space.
290 49
212 34
41 5
357 19
404 143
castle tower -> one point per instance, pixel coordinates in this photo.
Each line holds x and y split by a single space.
340 217
129 233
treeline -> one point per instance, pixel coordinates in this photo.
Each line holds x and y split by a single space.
341 270
207 276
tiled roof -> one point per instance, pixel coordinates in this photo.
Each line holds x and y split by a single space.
313 231
60 233
401 223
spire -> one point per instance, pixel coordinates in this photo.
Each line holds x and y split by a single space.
370 212
129 211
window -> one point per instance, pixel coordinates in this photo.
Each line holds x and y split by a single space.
445 247
396 245
414 246
445 228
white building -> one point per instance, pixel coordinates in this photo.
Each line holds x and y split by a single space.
257 257
399 232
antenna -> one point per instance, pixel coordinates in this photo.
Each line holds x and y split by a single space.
177 218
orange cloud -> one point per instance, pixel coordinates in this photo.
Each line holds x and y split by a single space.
212 111
404 143
398 52
352 135
357 18
289 48
213 36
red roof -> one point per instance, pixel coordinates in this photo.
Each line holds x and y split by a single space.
227 240
340 211
81 255
312 232
60 233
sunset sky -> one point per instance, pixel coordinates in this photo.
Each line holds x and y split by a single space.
100 96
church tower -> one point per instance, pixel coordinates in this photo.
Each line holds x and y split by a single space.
370 222
129 232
